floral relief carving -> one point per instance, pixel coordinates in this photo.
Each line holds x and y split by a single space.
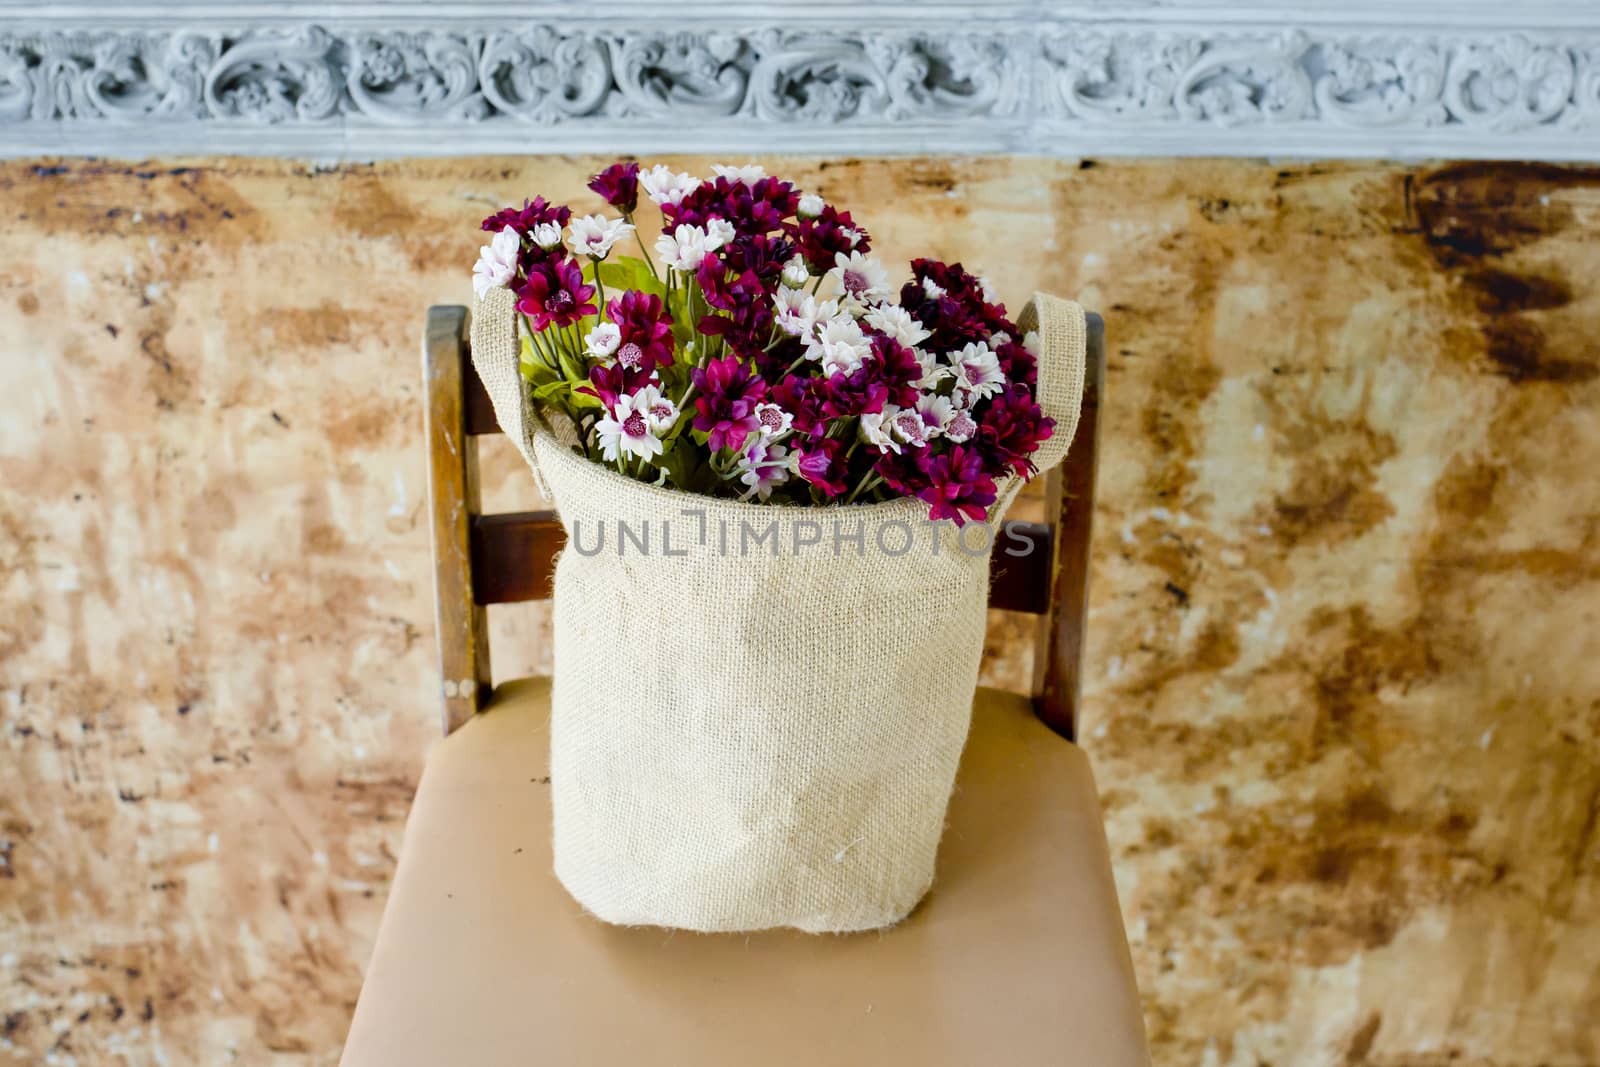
1002 84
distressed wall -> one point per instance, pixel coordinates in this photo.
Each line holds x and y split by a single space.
1343 698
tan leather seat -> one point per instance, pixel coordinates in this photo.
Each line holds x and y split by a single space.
1017 957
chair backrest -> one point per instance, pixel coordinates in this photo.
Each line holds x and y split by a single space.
500 559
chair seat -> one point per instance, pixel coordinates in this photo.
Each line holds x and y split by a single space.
1017 956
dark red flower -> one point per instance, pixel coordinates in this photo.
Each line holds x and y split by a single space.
1018 364
957 489
618 185
821 462
747 303
750 209
900 370
555 293
1010 428
530 214
823 237
646 330
727 402
949 302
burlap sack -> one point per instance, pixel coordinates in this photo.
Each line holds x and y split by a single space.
757 711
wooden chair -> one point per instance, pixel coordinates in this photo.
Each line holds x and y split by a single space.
1017 956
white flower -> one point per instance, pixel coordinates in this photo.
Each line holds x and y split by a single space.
685 247
999 339
896 322
799 313
795 273
1030 341
932 288
751 172
811 206
862 278
603 340
719 230
933 372
593 235
664 186
989 295
914 426
977 372
839 344
773 419
958 424
852 236
875 428
628 428
660 412
763 465
547 235
497 262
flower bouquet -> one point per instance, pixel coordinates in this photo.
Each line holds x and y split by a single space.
757 710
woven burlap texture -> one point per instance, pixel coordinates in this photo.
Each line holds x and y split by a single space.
756 720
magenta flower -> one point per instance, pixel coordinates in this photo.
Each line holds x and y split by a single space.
957 489
555 294
530 214
727 402
618 185
860 392
646 330
1009 431
821 462
901 472
612 383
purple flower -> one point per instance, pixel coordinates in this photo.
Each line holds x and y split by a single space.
727 402
1009 431
618 185
555 294
530 214
821 462
803 398
859 392
900 471
646 330
957 489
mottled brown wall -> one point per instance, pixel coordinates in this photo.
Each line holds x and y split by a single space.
1344 694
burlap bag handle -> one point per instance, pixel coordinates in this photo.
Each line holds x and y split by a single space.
497 355
1063 342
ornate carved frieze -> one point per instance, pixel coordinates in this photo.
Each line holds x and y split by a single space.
1052 85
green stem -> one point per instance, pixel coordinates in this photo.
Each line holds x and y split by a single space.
866 480
643 251
601 315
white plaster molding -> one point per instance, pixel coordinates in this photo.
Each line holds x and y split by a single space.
379 78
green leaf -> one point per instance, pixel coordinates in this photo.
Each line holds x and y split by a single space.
626 272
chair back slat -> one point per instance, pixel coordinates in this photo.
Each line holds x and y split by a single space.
479 560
